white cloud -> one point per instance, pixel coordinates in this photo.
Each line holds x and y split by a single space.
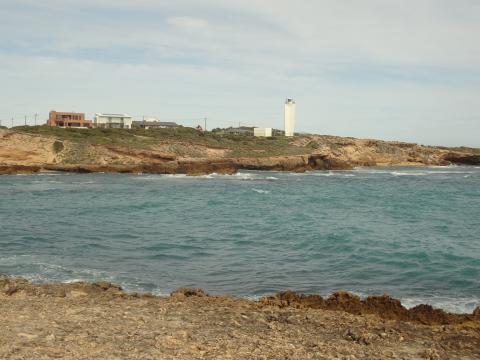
187 22
375 67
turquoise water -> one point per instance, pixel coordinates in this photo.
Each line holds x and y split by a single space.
412 233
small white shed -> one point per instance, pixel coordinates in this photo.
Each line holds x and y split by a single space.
262 132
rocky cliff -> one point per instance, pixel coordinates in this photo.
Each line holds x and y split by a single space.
23 152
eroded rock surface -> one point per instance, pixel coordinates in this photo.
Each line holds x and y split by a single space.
22 152
100 321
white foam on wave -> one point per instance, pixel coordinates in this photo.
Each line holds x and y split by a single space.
244 176
428 173
313 173
172 176
450 172
158 292
159 176
460 305
260 191
451 166
371 171
73 281
46 181
453 305
209 176
321 173
399 173
237 176
52 173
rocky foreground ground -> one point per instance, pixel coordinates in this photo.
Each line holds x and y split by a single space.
100 321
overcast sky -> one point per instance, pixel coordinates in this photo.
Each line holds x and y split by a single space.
405 70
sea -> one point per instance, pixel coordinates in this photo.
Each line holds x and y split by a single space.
412 233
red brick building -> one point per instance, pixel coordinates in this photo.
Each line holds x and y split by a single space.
68 119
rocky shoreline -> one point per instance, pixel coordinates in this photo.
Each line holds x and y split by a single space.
171 153
220 166
192 166
100 321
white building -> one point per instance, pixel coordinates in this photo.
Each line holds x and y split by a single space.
289 117
112 121
262 132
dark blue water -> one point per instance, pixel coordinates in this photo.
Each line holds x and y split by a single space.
413 233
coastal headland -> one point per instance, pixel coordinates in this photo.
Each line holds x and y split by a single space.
186 151
100 321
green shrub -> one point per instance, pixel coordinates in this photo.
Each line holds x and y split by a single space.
58 146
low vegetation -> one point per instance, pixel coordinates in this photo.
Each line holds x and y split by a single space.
237 145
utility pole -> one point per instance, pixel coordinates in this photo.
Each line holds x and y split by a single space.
205 122
12 122
36 119
25 120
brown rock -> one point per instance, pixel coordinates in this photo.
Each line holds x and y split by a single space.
476 313
187 292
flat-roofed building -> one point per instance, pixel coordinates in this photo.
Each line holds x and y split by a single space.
68 119
262 132
113 121
241 130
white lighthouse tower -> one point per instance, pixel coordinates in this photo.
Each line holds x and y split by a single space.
289 117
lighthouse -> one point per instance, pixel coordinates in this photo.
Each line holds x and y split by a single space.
289 117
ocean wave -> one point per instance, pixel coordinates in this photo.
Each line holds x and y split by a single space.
260 191
159 292
46 181
312 173
449 304
158 177
371 171
399 173
52 173
73 281
453 305
339 173
321 173
171 176
428 173
244 176
237 176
